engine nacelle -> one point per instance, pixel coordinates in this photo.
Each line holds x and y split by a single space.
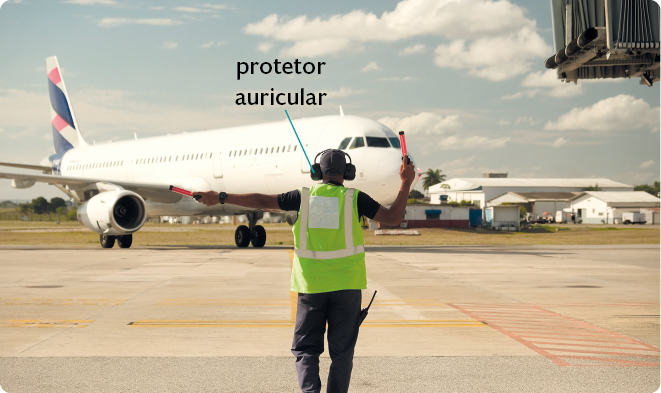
113 213
21 184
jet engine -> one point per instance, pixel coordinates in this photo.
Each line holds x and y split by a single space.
113 213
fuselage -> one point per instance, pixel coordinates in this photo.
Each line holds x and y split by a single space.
263 158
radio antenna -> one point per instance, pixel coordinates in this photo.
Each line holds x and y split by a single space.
299 141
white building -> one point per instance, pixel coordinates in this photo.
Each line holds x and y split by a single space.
537 202
479 190
602 207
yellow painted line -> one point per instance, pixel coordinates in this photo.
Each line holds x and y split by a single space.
45 323
211 323
238 302
61 302
386 323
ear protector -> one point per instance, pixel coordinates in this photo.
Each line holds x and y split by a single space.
349 172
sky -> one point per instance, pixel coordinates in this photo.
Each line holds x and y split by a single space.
466 80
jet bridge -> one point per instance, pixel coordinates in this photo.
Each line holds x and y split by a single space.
596 39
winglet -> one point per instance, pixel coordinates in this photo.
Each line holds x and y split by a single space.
341 111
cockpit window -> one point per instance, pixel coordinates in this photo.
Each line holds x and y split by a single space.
344 143
395 142
358 142
373 141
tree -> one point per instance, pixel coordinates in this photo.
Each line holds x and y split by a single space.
415 194
56 203
653 189
40 205
61 211
432 177
593 188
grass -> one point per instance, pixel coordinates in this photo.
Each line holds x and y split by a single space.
71 233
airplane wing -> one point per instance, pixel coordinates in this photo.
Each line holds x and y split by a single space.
27 166
149 191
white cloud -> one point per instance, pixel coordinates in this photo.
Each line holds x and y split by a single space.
413 49
526 120
525 93
398 79
371 66
212 44
549 81
622 112
503 41
217 7
91 2
264 47
503 122
422 123
560 142
193 10
320 47
495 58
170 45
644 165
113 22
344 92
457 142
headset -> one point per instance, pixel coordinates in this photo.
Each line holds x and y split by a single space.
349 172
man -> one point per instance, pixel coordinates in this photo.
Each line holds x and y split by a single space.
329 264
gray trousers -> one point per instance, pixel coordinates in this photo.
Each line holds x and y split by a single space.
342 311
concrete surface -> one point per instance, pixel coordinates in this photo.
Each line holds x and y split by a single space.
456 319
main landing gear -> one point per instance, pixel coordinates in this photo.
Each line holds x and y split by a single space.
108 241
254 234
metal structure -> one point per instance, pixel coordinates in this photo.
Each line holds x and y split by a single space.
605 39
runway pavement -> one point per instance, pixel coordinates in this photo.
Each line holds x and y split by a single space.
446 319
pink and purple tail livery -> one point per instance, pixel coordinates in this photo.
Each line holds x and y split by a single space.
63 120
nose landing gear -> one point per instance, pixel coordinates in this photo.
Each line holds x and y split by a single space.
255 234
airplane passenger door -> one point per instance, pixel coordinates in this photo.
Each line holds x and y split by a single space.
217 164
309 141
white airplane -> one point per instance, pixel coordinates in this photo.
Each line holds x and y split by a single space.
120 183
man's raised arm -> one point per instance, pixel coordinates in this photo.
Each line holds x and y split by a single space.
256 201
393 215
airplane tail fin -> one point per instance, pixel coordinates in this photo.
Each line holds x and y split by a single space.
66 131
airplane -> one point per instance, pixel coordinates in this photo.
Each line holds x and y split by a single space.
119 183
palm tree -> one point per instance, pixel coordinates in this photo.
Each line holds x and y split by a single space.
432 177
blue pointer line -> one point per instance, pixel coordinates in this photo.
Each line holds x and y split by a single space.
299 141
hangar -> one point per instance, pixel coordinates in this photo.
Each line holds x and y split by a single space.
600 207
481 189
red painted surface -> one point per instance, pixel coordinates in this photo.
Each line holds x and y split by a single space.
59 123
430 224
562 339
54 76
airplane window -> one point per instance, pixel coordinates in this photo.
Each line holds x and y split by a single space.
283 149
211 155
373 141
245 152
170 159
122 163
288 148
358 142
394 141
278 151
344 143
295 146
240 152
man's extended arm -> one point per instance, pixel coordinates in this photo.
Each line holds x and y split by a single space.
256 201
393 215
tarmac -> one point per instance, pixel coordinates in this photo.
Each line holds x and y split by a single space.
220 319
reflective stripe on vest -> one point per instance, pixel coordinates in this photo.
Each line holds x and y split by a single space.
349 250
